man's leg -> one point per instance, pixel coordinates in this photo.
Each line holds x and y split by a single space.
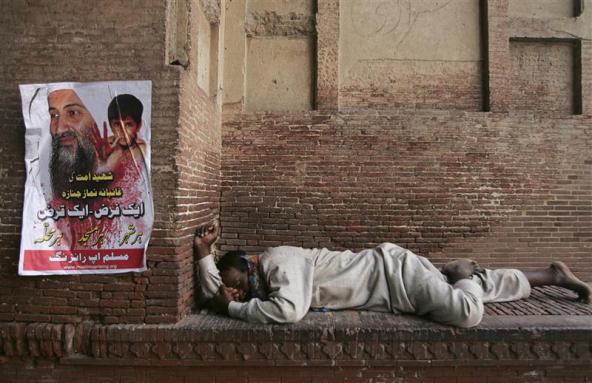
430 294
558 274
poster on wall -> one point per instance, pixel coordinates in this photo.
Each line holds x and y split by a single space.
88 199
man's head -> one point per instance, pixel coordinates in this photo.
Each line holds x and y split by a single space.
125 117
234 272
72 148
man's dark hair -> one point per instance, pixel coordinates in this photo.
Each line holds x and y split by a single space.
233 258
125 105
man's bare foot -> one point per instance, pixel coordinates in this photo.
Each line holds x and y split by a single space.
565 278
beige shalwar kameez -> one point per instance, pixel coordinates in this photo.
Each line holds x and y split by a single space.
387 278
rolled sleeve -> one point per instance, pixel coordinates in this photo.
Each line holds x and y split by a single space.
236 309
209 277
289 280
469 286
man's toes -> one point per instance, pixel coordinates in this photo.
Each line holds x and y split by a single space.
567 279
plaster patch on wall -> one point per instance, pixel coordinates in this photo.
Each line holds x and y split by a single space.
418 53
204 51
178 38
393 18
281 6
279 75
542 8
211 9
270 23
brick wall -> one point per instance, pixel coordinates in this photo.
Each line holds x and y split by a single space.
91 41
543 77
460 90
507 191
398 373
198 164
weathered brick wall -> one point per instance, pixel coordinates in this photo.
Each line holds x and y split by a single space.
90 41
543 77
505 189
420 90
498 60
290 374
198 164
513 191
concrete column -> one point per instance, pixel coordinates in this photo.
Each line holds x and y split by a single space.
327 24
585 19
499 64
234 54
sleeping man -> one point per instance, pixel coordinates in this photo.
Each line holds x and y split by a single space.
283 283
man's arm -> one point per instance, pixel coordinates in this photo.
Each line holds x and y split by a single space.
290 292
209 276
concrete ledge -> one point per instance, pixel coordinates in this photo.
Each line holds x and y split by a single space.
345 338
322 339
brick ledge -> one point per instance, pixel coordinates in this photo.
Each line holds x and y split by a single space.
345 338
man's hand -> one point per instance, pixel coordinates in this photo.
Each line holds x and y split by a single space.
460 269
205 236
221 301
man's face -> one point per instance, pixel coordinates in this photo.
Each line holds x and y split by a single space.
236 280
126 130
72 149
70 119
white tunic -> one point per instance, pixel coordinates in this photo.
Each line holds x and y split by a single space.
387 278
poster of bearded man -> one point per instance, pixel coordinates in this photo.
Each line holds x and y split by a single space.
88 199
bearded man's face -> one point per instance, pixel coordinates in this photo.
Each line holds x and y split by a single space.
72 149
